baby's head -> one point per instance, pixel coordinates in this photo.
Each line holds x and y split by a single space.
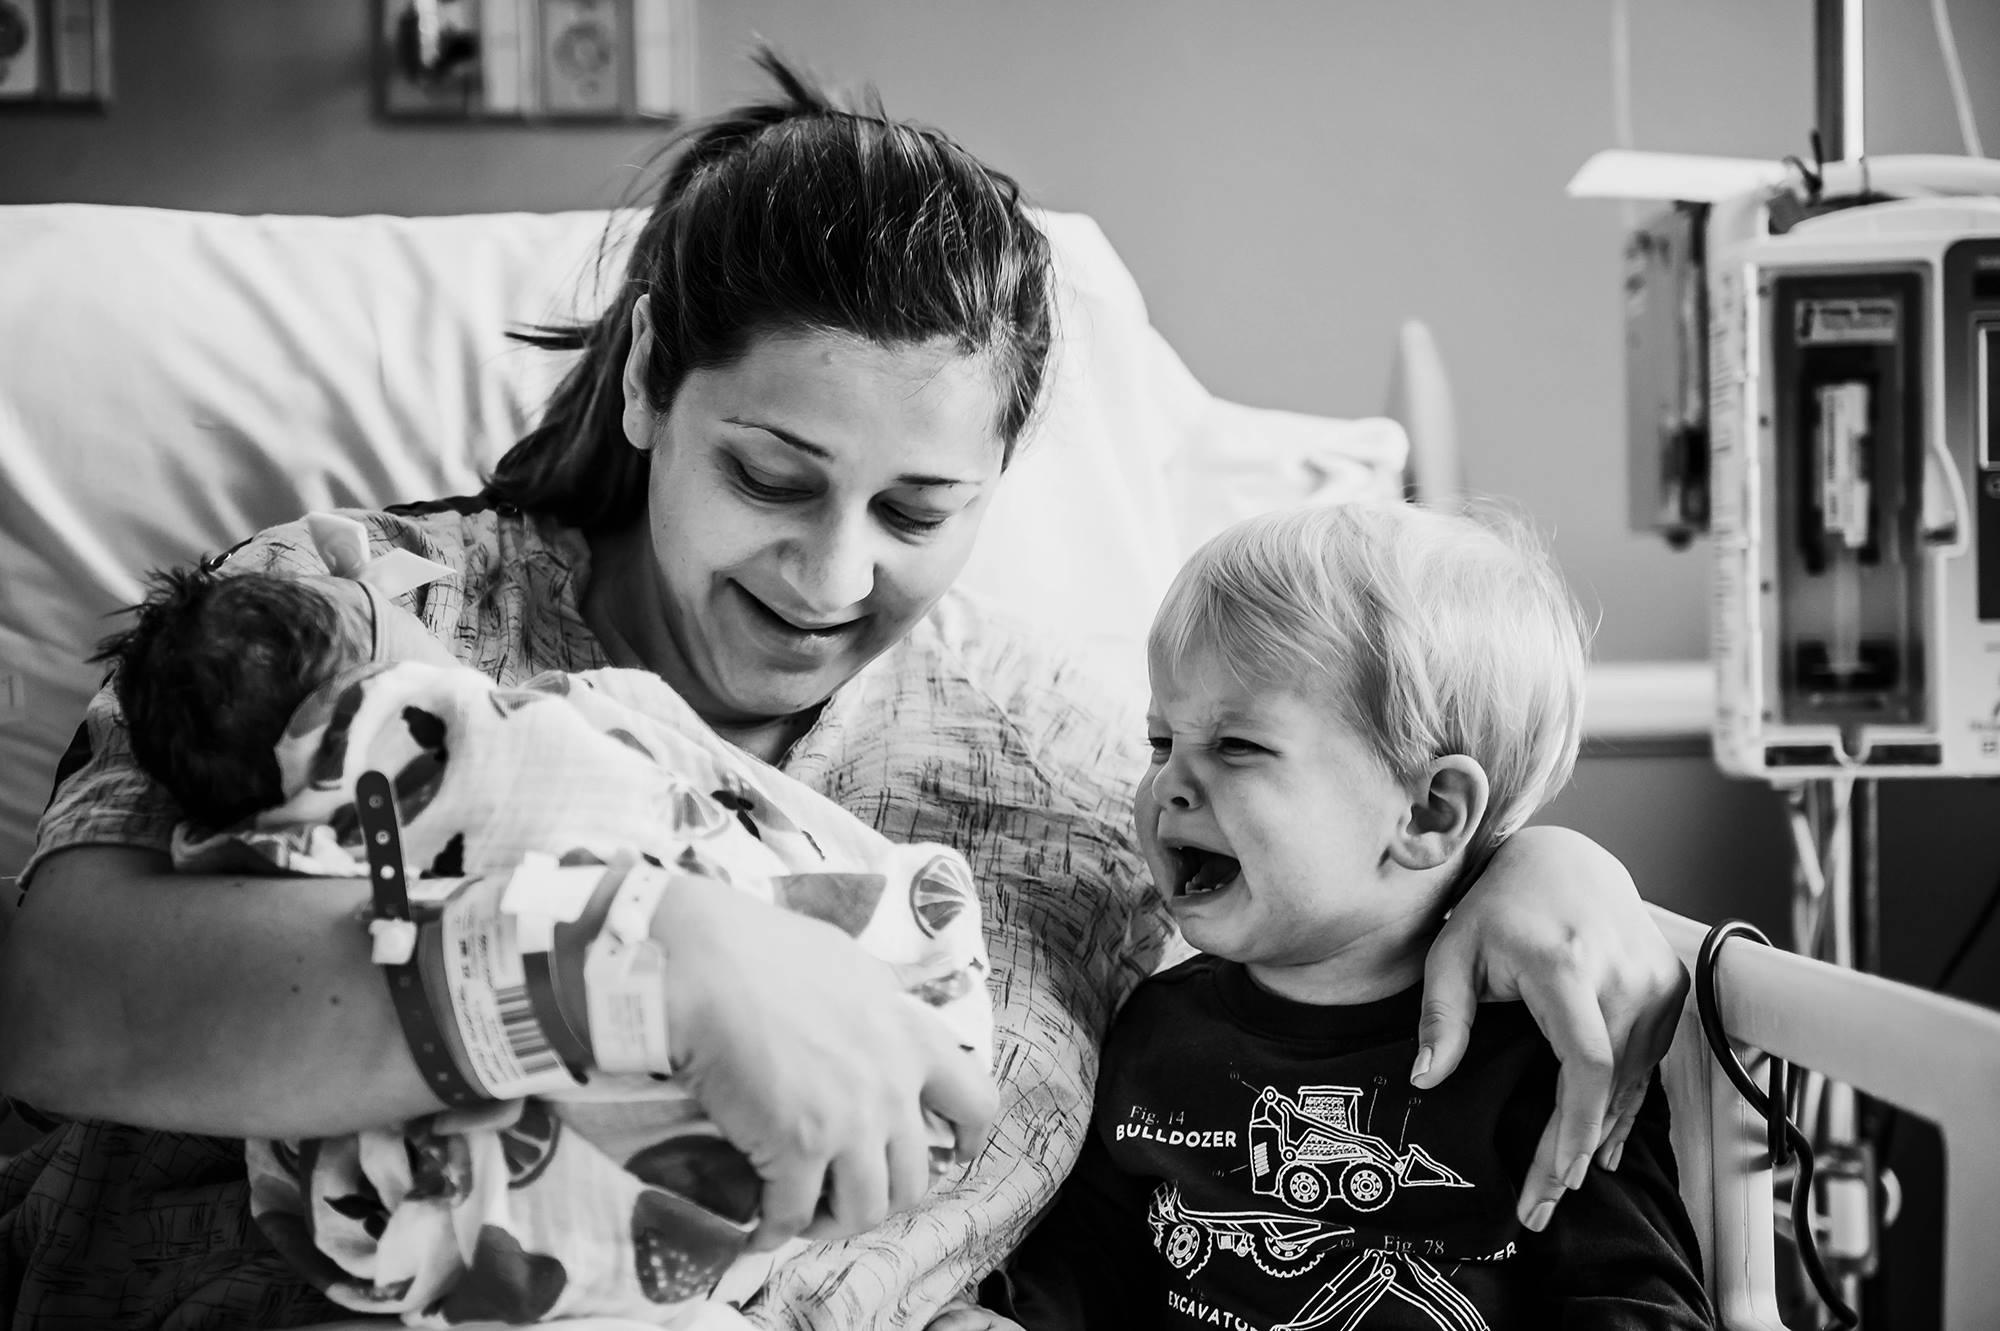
1352 706
213 667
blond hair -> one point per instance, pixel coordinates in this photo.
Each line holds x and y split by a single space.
1433 632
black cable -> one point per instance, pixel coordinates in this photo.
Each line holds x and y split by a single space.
1785 1134
1810 175
1973 933
1885 1132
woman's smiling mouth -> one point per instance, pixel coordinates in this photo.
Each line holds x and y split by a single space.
804 640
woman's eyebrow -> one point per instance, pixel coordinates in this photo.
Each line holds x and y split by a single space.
919 480
806 446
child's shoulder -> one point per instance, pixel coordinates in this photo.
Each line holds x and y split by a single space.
1188 982
1197 969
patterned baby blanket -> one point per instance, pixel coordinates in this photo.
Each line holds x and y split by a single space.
619 1197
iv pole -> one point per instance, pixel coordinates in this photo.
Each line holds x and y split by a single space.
1849 908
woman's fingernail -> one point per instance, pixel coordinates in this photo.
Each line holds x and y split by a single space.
1423 1063
1538 1219
1577 1169
1614 1155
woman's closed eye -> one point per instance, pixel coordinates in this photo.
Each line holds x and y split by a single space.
1162 746
770 489
912 521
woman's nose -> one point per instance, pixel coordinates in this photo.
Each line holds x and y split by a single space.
833 567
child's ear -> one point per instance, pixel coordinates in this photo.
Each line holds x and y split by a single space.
1446 810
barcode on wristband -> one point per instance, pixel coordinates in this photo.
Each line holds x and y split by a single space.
506 1050
524 1033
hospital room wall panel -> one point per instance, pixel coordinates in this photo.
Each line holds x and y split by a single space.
1699 843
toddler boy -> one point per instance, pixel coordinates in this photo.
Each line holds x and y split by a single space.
1351 707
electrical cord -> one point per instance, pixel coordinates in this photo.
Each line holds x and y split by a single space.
1973 933
1885 1134
1961 100
1787 1142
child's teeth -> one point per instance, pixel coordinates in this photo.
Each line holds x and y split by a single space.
1212 873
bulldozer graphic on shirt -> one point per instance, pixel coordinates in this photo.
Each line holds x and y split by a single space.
1308 1149
1280 1244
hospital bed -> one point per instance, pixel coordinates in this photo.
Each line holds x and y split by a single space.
174 381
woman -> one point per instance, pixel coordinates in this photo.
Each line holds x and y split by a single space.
759 481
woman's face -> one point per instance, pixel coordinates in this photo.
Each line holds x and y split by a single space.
806 506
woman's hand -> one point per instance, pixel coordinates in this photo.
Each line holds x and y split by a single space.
1555 922
801 1048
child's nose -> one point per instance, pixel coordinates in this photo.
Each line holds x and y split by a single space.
1175 787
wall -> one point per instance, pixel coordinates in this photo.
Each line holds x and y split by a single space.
1287 178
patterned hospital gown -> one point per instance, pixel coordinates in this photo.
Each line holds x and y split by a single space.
966 733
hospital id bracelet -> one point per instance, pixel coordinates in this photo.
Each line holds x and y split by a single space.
604 986
624 978
464 959
558 910
474 960
396 938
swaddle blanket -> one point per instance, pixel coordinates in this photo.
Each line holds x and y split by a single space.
618 1197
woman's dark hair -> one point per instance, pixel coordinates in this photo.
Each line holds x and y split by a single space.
791 215
208 676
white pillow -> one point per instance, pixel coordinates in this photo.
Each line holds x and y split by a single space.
174 381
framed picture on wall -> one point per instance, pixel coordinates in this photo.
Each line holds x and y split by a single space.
550 61
55 52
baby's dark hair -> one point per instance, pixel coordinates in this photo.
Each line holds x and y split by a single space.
208 677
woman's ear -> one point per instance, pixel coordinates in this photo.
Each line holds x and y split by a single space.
1446 810
639 417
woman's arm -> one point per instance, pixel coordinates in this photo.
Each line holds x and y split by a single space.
232 1006
249 1007
1555 922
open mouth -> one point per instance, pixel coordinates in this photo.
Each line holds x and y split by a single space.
1199 872
823 634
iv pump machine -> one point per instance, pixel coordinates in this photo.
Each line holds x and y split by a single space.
1851 476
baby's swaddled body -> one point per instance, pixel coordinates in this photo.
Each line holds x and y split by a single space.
617 1197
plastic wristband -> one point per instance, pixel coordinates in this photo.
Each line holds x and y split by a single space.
376 807
624 979
551 904
544 976
505 1048
465 959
